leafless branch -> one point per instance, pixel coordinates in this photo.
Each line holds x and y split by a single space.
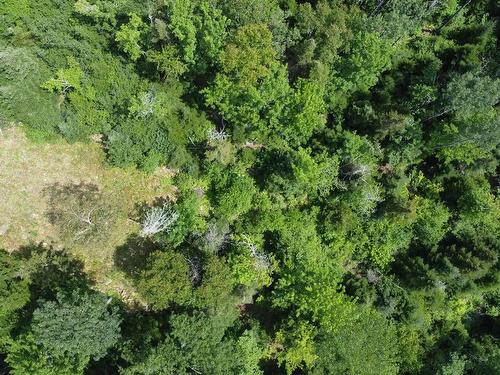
158 219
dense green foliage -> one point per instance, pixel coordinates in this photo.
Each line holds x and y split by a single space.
336 162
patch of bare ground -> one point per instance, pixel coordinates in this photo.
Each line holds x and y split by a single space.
27 169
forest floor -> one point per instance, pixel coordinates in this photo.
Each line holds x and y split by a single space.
27 169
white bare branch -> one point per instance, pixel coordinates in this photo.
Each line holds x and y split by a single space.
262 261
194 269
158 219
357 170
215 238
215 135
148 100
83 217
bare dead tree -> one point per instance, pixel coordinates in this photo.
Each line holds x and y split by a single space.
148 100
216 135
194 269
80 211
150 12
440 285
65 85
354 170
358 170
215 238
84 218
372 276
262 261
253 145
158 219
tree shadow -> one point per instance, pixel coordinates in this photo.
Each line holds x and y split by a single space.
52 271
141 208
132 256
80 211
79 193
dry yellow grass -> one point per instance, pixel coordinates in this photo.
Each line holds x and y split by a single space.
27 168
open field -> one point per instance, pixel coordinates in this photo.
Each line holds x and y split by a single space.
27 169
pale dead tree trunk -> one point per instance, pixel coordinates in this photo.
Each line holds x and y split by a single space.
440 285
380 5
438 114
445 111
372 276
262 261
194 270
84 218
472 138
158 219
253 145
150 13
354 170
359 170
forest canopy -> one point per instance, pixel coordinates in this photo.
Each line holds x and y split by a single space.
332 173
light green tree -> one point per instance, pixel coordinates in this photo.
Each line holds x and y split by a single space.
129 36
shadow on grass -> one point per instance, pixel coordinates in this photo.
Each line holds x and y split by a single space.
80 211
78 194
142 208
50 272
132 256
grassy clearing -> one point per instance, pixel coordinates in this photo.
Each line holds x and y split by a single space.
27 169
